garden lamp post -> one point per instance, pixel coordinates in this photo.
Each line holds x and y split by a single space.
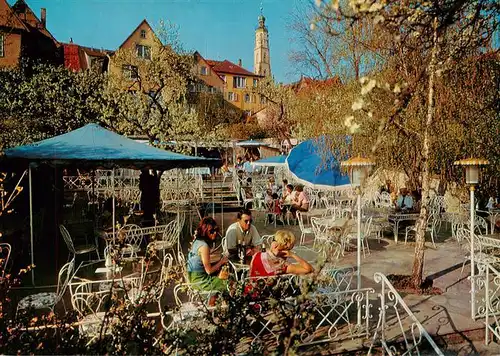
472 178
358 169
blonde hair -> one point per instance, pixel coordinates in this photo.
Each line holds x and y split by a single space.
285 240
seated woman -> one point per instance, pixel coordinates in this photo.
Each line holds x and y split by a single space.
199 268
274 261
300 201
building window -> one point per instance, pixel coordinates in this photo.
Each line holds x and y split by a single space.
247 98
239 82
253 98
203 70
143 33
130 72
255 82
2 53
262 100
143 51
231 96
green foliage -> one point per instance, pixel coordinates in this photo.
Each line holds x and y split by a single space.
40 101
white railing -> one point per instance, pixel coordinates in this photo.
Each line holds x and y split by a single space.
397 324
336 316
175 185
492 303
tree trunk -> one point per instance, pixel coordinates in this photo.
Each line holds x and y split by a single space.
418 261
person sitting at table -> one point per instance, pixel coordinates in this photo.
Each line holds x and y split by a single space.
300 200
272 185
387 187
199 268
268 199
238 166
404 202
288 194
243 232
274 261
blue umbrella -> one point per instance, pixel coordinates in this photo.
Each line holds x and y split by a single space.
273 161
311 165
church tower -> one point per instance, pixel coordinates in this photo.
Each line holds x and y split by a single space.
262 59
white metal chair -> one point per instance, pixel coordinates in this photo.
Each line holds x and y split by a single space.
48 300
90 300
365 232
246 200
304 231
170 235
131 236
429 227
79 249
482 247
272 212
5 250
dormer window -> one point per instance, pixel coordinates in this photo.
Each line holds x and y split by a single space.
2 53
143 33
203 70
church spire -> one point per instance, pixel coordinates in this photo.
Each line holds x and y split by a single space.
262 59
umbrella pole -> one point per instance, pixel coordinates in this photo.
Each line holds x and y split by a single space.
113 198
213 192
31 224
222 213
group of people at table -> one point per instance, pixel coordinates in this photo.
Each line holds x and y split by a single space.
265 261
286 198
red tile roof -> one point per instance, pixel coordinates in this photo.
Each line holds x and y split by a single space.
9 19
229 68
306 84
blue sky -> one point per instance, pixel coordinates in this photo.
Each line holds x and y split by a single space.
218 29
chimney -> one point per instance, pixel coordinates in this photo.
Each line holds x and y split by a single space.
43 16
239 62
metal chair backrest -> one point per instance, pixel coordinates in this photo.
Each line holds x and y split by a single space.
385 199
131 235
171 232
64 277
300 220
267 240
335 279
318 228
67 238
367 227
166 267
5 250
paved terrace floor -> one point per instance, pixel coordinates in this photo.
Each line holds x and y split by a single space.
441 315
446 317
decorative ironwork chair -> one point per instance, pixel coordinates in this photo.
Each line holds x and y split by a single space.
79 249
5 250
48 300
